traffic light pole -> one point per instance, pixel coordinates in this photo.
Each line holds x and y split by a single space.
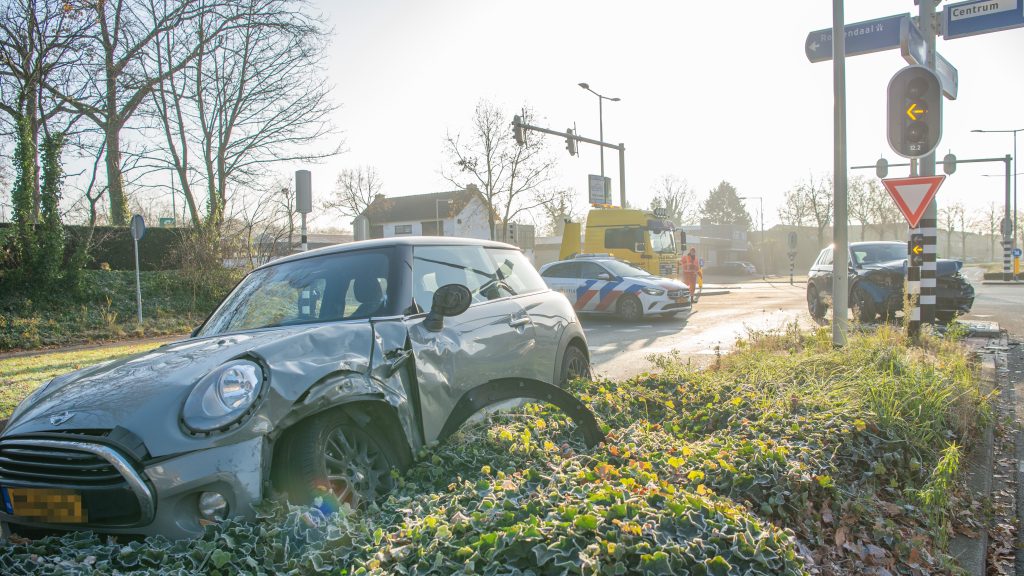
840 239
517 123
928 226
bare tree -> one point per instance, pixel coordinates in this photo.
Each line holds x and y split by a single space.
886 214
950 216
257 97
794 211
510 177
354 190
38 40
558 209
117 69
809 201
677 199
860 203
986 224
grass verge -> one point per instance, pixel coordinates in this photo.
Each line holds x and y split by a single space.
783 454
103 308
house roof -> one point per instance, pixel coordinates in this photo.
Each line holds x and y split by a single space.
419 207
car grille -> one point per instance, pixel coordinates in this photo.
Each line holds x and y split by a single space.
25 462
678 293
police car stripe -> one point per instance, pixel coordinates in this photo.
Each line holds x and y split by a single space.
584 294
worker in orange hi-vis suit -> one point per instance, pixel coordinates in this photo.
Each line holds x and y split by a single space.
690 267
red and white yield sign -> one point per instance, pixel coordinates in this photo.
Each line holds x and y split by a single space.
913 194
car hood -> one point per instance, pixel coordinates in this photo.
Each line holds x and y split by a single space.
943 266
144 393
656 282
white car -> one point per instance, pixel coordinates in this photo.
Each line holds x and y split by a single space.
604 285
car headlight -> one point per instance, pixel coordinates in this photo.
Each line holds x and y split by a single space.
223 396
653 291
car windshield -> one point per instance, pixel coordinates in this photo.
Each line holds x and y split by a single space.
622 269
345 286
876 253
663 242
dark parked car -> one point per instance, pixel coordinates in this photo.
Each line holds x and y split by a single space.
877 273
316 377
734 268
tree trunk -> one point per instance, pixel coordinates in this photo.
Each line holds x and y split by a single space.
115 181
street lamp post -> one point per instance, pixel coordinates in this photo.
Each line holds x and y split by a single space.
1015 167
760 200
600 119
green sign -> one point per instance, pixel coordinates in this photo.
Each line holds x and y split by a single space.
165 222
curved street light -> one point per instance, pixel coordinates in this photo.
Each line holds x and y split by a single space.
600 117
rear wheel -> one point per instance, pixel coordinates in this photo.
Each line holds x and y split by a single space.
630 308
574 365
329 459
863 306
814 304
945 317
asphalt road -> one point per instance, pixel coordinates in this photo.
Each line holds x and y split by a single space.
997 303
620 350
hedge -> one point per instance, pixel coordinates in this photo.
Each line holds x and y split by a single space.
113 246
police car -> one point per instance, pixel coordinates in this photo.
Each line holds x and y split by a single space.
600 284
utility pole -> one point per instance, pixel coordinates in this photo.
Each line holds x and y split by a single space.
928 226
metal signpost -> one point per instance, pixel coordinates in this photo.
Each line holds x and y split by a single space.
303 200
138 230
840 239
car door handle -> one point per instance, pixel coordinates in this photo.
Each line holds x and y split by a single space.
517 322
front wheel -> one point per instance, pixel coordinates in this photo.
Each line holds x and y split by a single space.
329 459
574 365
630 308
863 306
814 305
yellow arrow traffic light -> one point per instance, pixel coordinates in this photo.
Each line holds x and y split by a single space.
918 249
914 110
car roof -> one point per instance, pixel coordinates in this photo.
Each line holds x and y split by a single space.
389 242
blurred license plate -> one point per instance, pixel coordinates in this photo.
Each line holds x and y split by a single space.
54 505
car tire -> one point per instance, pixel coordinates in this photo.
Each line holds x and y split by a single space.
630 308
328 459
945 317
862 305
814 304
575 364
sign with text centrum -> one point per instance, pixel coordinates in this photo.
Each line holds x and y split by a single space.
981 16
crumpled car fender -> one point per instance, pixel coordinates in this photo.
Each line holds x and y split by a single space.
512 388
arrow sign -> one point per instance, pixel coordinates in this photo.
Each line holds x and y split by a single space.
912 195
914 110
861 38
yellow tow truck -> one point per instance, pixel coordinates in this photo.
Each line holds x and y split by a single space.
643 238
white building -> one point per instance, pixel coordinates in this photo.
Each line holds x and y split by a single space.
457 213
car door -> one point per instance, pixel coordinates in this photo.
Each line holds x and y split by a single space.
563 277
597 289
823 275
493 339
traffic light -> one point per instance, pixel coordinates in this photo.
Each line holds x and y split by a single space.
518 131
914 112
570 141
949 163
882 168
682 239
917 250
510 234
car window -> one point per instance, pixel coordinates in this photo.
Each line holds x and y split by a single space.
488 273
562 270
826 257
590 271
875 253
623 238
623 269
517 272
346 286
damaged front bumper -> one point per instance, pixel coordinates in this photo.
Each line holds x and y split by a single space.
75 484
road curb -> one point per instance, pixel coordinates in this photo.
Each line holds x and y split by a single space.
714 292
972 552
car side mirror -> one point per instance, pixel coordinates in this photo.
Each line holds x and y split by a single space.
604 276
638 247
449 300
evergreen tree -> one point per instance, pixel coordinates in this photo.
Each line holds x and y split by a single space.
50 234
723 206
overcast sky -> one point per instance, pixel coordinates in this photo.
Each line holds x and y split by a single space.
710 91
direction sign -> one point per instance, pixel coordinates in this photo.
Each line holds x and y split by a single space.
981 16
915 51
861 38
1016 252
137 226
912 195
